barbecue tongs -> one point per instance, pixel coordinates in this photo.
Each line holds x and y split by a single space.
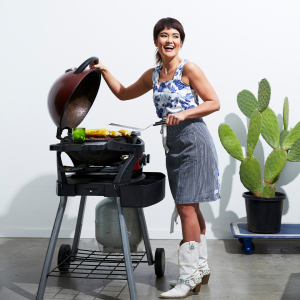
139 129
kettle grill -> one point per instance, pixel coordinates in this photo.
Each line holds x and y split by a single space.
106 167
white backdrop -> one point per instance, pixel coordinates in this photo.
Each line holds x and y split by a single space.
236 43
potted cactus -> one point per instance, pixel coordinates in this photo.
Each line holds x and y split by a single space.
263 203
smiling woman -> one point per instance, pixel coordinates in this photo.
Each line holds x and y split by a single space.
191 158
174 28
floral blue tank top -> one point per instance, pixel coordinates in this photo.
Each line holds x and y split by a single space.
172 96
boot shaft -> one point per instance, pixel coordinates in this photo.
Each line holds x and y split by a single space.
188 256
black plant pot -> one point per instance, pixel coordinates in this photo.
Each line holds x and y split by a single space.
264 214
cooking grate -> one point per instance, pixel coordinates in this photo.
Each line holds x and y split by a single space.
97 265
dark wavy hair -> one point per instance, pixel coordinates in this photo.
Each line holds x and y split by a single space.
166 23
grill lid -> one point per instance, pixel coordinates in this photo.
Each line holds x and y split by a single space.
72 95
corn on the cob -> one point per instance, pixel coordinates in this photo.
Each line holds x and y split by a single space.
97 132
125 132
115 133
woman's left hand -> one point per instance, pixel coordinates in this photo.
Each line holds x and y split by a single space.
174 119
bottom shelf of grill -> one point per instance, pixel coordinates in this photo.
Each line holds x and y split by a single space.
96 265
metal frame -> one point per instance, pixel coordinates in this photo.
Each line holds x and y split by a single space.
97 265
51 247
145 236
117 181
91 264
126 250
78 225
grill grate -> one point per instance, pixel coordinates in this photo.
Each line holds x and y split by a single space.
97 265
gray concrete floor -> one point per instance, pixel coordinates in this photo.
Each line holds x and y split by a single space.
272 272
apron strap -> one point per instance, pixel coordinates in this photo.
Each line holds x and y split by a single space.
163 131
174 219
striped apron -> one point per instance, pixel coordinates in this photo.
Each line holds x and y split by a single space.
192 164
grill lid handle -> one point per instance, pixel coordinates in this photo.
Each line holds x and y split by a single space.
60 130
82 67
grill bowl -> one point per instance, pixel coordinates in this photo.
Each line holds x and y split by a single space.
104 157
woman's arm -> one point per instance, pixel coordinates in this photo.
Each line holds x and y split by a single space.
139 88
203 88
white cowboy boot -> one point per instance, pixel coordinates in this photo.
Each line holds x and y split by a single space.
203 265
190 277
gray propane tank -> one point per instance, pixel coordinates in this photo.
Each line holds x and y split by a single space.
107 226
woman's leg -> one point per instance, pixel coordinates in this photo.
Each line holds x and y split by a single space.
188 254
189 222
200 220
203 265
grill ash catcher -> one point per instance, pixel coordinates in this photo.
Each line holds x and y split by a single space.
110 168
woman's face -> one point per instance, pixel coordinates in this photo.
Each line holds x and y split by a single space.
168 42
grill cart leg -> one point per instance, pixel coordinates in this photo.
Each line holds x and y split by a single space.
145 236
78 225
126 249
51 247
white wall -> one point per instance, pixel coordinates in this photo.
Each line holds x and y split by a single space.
236 43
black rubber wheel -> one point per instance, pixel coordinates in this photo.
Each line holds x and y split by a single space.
250 251
241 240
159 265
62 261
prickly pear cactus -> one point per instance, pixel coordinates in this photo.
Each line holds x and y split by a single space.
230 141
254 131
267 190
263 120
247 103
274 164
291 138
264 95
250 174
285 113
270 128
294 154
283 134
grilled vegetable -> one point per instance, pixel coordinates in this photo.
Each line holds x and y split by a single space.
97 132
115 133
125 132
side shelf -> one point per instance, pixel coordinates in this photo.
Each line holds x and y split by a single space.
143 193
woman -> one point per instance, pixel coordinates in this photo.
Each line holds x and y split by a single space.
190 153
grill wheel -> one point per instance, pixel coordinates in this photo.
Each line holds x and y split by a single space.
62 259
159 265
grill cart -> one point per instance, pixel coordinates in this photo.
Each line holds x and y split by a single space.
107 167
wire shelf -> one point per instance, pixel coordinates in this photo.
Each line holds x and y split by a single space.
96 265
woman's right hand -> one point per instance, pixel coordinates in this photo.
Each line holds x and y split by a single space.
99 65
